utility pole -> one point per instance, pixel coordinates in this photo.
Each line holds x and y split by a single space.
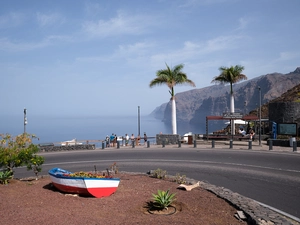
25 120
139 121
259 138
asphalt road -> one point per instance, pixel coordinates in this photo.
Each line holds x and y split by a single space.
272 178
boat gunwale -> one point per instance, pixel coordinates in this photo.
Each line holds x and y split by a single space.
62 176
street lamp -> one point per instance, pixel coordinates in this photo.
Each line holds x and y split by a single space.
259 137
139 121
25 120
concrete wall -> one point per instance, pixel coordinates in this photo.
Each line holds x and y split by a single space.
284 112
283 143
170 139
66 148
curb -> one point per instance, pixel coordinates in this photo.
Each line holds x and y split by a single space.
256 212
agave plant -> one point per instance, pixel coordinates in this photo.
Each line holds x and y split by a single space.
163 199
5 176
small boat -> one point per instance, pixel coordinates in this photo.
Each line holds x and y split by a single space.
97 187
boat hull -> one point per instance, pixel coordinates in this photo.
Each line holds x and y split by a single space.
97 187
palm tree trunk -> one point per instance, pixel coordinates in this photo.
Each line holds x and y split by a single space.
232 111
174 123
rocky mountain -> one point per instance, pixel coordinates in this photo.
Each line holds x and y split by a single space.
291 95
193 106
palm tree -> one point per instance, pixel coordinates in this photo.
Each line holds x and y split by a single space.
230 75
172 77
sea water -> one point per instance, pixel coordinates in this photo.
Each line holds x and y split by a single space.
55 129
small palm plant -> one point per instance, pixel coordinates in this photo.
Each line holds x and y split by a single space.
163 199
5 176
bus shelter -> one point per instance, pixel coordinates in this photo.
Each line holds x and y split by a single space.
246 118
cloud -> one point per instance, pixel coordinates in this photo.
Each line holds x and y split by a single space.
136 54
122 24
221 43
92 9
284 56
139 48
192 3
14 46
192 50
243 23
12 19
49 19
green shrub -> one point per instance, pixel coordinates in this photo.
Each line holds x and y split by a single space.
159 173
163 199
180 179
5 176
19 151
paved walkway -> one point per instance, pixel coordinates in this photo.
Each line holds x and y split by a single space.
236 145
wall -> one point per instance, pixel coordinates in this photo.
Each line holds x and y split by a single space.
284 112
66 148
170 139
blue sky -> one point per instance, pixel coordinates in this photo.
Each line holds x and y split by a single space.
98 57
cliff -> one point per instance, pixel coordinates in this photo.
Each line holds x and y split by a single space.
193 106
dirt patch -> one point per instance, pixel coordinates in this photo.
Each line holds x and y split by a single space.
38 202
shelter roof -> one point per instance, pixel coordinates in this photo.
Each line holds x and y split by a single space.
249 117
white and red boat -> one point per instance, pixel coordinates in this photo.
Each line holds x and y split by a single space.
97 187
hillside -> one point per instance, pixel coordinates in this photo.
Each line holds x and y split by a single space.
193 106
292 95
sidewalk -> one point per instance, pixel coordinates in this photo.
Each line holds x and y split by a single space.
201 144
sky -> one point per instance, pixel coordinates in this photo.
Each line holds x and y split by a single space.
97 58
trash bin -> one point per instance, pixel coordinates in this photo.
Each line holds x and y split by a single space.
292 139
190 139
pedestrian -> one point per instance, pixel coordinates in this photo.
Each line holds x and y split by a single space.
126 139
123 141
115 140
107 141
145 138
252 133
132 139
138 140
111 139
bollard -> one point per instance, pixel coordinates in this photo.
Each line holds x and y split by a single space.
179 144
163 143
294 146
195 144
213 143
230 143
250 144
118 144
270 145
133 144
102 144
148 144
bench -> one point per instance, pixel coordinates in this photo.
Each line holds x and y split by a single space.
246 137
228 137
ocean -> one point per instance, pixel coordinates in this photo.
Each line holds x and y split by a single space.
62 128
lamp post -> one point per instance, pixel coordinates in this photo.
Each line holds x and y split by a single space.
139 121
25 120
259 134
